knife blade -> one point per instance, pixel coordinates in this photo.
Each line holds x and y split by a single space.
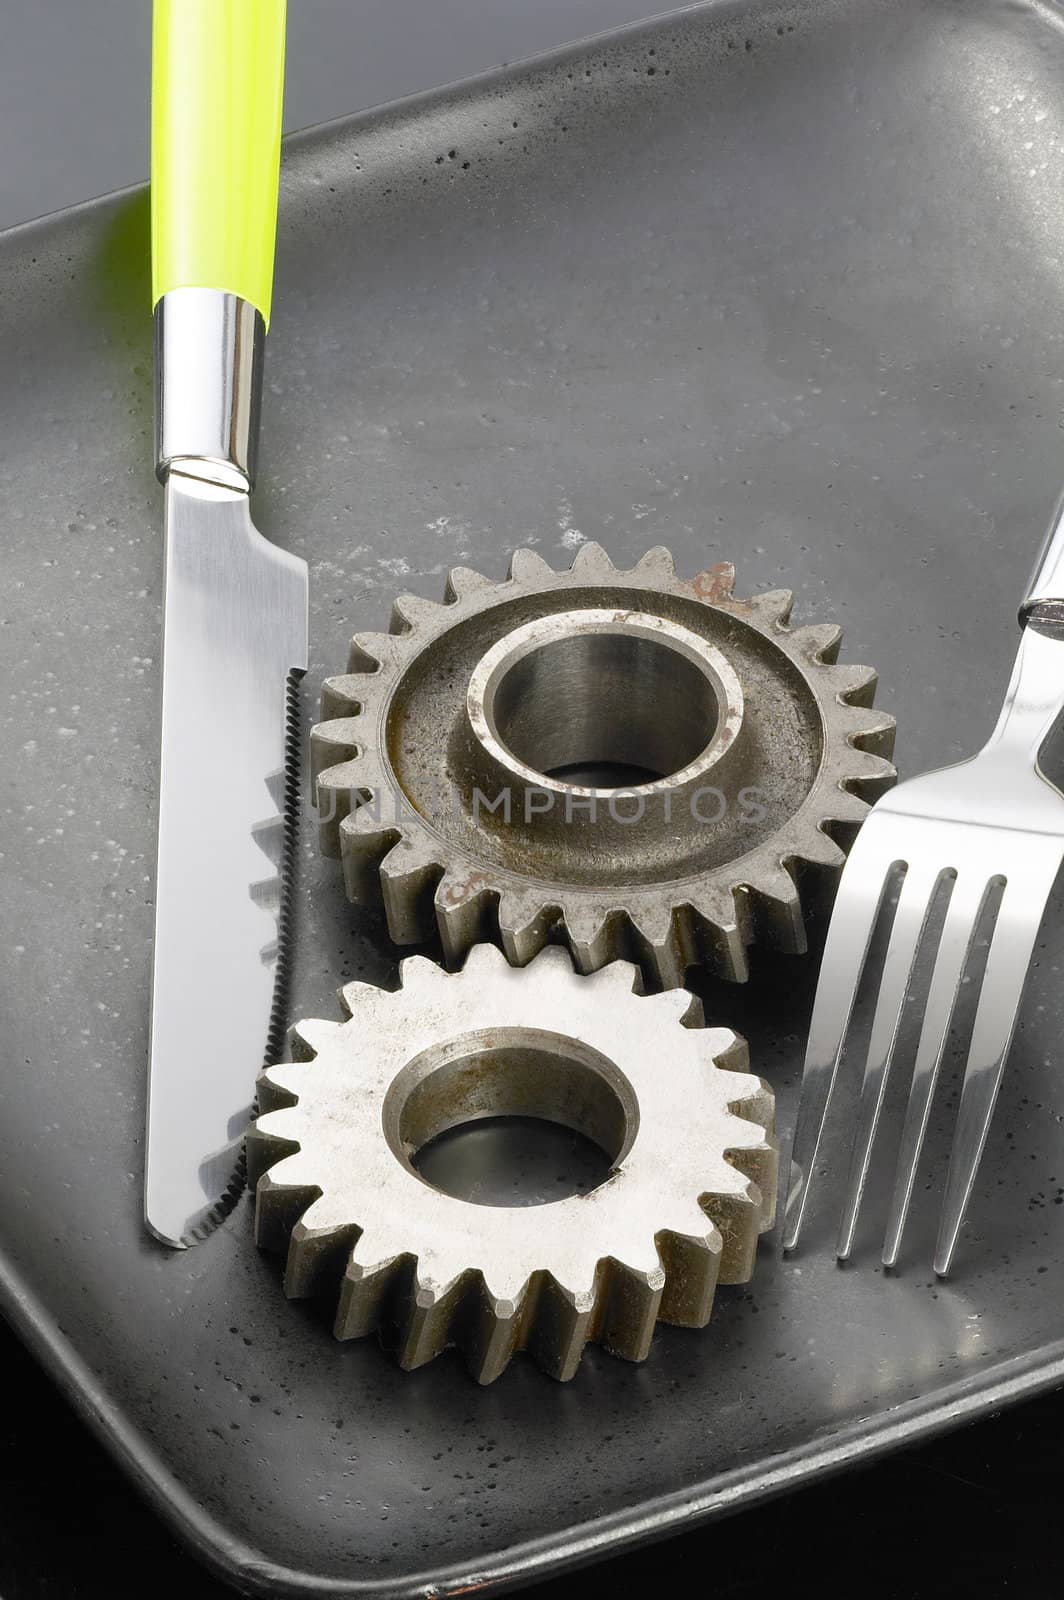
234 613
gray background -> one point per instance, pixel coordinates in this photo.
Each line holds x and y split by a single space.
74 75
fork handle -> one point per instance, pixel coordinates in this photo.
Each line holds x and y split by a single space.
1043 604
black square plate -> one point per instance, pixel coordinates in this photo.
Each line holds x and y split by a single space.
780 284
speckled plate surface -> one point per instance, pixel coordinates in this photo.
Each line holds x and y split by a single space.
776 284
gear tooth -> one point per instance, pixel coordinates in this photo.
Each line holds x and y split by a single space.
557 957
755 1154
751 1099
371 818
728 1051
291 1172
685 1008
854 685
868 776
267 1143
525 925
465 913
341 696
358 999
753 1115
484 960
736 1216
590 936
714 584
332 743
873 732
371 1291
505 1287
691 1256
591 560
688 1219
427 1326
318 1249
664 936
410 611
771 608
282 1194
624 976
408 877
271 1125
310 1036
821 850
335 789
369 652
527 566
365 840
598 934
776 910
463 583
843 805
561 1326
493 1354
421 974
656 564
347 784
335 792
629 1300
775 883
720 937
488 1329
269 1098
279 1085
554 963
323 1215
818 640
579 1280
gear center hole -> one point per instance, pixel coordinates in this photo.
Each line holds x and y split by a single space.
512 1161
517 1117
606 710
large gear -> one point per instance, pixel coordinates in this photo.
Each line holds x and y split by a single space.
692 1180
448 765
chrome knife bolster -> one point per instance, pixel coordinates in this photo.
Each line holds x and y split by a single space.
208 385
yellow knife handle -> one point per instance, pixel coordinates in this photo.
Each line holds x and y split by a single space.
217 84
217 89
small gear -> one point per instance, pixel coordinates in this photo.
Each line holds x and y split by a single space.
639 766
692 1180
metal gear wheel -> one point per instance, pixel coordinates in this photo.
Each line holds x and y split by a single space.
638 765
692 1180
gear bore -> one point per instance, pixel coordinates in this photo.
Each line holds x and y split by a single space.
692 1180
636 765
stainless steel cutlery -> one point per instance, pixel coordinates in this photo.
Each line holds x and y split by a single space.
988 829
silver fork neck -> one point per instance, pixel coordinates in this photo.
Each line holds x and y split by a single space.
1045 592
1035 694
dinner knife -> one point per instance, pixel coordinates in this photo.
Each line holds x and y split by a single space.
235 608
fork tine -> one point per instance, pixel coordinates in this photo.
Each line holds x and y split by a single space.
1011 946
853 919
962 918
906 934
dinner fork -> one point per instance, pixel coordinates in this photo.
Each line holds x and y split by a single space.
990 826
